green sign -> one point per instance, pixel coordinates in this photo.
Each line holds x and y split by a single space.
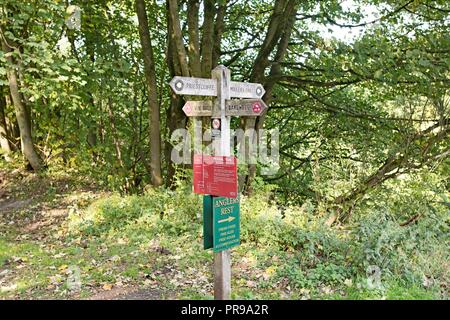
207 222
221 224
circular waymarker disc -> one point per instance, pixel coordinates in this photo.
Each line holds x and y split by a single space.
179 85
256 107
259 91
188 108
216 123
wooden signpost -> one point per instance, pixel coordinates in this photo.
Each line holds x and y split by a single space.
221 214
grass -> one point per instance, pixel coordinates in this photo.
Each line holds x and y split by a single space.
154 242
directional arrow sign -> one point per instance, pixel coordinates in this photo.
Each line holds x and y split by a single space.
229 219
208 87
194 86
246 90
198 108
247 107
235 108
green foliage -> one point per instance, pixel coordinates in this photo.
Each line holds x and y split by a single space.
405 234
159 211
358 95
292 244
286 252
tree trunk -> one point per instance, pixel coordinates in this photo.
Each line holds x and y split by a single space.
274 32
203 57
278 35
23 117
114 134
176 37
194 39
91 36
208 37
4 143
137 132
175 117
177 63
218 32
153 105
12 126
407 158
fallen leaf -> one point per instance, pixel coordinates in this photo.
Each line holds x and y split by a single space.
63 267
122 241
4 272
148 282
8 288
115 259
107 287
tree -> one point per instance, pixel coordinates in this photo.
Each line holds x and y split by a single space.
151 86
21 110
352 111
4 136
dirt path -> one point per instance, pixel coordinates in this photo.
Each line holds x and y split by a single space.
132 293
32 210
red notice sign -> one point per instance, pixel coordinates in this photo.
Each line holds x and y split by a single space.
216 176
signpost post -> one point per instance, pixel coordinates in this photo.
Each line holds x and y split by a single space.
221 214
222 259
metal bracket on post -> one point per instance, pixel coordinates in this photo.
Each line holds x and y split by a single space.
222 260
